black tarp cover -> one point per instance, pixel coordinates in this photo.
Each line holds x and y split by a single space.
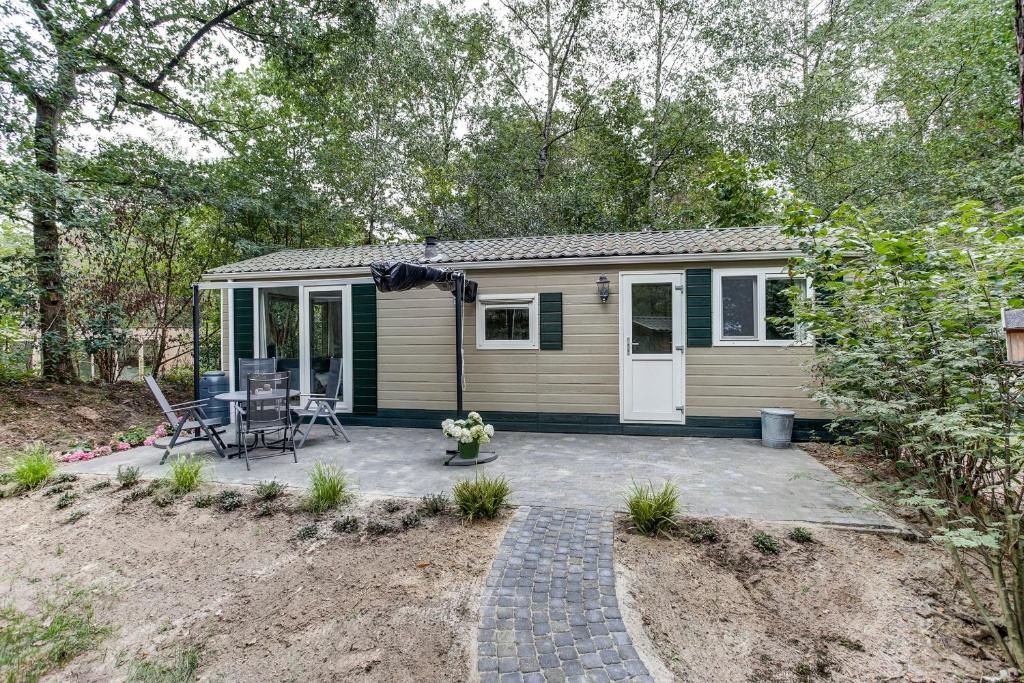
400 276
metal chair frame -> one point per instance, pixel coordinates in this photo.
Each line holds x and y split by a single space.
192 418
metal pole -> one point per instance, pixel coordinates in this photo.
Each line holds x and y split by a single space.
195 342
460 288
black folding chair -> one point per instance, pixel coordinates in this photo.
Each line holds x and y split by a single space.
188 416
322 405
267 411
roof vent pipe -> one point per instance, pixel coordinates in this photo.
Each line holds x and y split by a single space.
430 247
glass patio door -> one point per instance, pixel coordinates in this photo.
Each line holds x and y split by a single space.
325 334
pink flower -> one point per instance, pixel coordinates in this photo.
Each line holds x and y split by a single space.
87 456
123 445
102 450
161 430
149 441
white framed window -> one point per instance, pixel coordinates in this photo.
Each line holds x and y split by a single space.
507 321
747 302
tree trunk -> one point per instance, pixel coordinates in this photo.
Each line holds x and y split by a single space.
1019 27
53 316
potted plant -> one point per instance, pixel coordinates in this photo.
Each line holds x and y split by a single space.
469 433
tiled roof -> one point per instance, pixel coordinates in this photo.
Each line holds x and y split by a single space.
700 241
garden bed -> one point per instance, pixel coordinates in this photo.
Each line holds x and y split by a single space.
240 596
846 607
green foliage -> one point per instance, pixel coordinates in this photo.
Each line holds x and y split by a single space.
187 474
228 500
307 532
128 475
66 500
702 532
379 527
99 486
328 488
75 516
652 511
57 489
32 645
204 501
391 505
265 510
269 490
766 544
33 466
435 504
134 435
184 669
801 535
482 497
346 525
411 520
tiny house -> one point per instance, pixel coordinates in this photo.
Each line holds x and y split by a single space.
658 333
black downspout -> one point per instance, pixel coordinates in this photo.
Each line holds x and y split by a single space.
195 342
460 289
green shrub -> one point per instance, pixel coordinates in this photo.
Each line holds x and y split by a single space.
144 492
75 516
33 467
652 511
702 532
187 473
411 520
134 435
801 535
328 488
100 485
59 488
66 500
63 478
346 525
229 500
164 498
391 505
766 544
127 476
482 497
265 510
203 501
376 527
307 532
435 504
269 490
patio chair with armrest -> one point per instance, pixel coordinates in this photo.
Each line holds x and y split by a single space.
322 405
267 411
188 416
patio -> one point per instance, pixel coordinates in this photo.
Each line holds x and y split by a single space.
716 477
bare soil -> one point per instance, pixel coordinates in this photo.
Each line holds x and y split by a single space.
260 604
65 415
847 607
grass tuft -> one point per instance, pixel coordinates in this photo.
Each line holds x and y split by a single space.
33 645
187 474
482 497
33 466
127 476
652 511
328 488
435 504
183 670
269 490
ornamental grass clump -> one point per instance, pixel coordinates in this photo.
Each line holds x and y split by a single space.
187 473
33 467
912 353
328 488
652 511
482 497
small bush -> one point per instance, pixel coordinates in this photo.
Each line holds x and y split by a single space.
376 527
100 485
66 500
203 501
269 490
144 492
435 504
328 488
307 532
265 510
391 505
410 520
482 497
164 498
702 532
346 525
187 473
33 467
59 488
652 511
229 500
63 478
75 516
127 476
801 535
766 544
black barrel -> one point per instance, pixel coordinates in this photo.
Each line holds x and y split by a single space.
210 384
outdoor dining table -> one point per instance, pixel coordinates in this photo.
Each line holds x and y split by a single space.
242 397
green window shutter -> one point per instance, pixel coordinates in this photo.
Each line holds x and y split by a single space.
243 327
364 349
698 307
551 321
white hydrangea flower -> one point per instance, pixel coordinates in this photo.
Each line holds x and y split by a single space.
489 430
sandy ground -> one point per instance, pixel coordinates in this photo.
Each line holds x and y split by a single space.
260 604
63 415
848 607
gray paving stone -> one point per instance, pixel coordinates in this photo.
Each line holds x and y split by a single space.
549 609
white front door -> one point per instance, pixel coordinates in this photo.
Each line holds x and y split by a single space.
651 324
